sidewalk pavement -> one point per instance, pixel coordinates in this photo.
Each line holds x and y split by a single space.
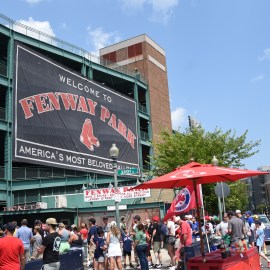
164 255
165 260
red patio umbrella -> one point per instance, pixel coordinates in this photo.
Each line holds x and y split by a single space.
197 173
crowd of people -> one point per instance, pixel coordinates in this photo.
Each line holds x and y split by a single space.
109 246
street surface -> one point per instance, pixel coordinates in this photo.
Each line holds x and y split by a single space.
166 260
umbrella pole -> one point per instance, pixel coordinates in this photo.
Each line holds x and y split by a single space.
207 240
199 218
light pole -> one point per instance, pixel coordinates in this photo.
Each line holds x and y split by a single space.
215 163
114 153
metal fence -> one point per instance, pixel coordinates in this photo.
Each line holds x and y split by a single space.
34 33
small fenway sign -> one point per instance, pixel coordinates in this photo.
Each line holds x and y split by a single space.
103 194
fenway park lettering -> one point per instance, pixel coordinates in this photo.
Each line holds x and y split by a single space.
65 120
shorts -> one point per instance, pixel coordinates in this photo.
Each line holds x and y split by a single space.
100 259
259 249
156 246
126 253
171 240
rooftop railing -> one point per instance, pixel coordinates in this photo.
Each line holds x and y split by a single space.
34 33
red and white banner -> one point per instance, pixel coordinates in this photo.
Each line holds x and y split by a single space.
184 201
105 194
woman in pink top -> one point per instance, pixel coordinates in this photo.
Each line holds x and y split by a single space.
84 234
84 231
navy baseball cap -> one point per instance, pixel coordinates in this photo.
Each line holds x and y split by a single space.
10 227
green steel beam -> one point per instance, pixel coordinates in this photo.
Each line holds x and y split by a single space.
143 115
129 207
3 185
60 182
3 80
9 114
39 211
90 209
146 143
4 30
3 125
136 98
3 195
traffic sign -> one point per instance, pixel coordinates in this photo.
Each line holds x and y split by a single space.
222 190
128 171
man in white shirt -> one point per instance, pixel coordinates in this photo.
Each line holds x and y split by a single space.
222 227
171 239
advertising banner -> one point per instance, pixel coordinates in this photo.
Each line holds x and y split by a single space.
65 120
106 194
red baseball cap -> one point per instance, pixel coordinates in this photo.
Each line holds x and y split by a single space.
156 218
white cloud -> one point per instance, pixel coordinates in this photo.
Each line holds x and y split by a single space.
33 2
44 27
266 55
133 4
162 10
178 117
163 5
259 77
98 38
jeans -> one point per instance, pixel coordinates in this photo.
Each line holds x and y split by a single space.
85 250
141 252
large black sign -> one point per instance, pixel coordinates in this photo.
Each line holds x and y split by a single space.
63 119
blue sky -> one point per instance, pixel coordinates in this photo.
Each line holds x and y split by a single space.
218 52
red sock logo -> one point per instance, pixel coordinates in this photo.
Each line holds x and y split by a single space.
87 136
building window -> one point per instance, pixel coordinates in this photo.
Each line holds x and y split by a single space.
135 50
110 56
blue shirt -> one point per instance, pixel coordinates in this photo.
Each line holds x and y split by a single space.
100 242
25 234
260 237
127 242
250 220
194 229
92 232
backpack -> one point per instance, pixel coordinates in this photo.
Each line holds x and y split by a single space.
164 229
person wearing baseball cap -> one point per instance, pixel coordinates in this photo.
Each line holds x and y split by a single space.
250 219
156 241
50 246
38 223
239 215
11 250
